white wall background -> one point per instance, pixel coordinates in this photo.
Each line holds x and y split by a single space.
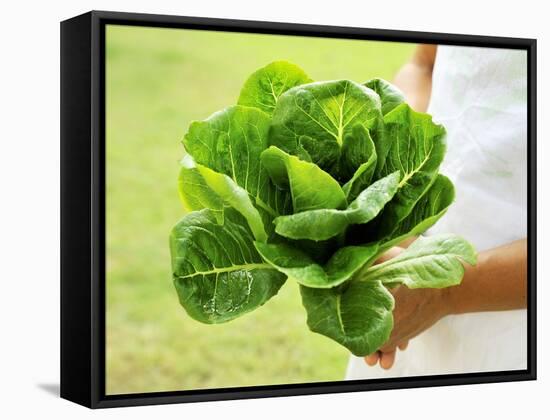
29 221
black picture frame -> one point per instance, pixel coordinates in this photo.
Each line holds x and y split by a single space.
83 208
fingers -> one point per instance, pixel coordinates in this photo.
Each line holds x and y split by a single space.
372 359
387 360
388 348
392 346
385 356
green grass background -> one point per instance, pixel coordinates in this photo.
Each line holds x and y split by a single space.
158 81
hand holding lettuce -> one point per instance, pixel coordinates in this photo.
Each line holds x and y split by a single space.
311 182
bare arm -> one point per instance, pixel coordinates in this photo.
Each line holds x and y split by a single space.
415 77
497 283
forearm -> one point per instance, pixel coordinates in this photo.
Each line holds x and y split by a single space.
497 283
415 78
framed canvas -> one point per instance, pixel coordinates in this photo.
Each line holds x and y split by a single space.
257 209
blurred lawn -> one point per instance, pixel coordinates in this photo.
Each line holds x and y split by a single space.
158 80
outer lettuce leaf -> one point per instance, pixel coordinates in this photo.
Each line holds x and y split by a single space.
310 186
194 192
201 185
390 95
432 261
357 149
417 150
230 142
264 87
390 98
325 223
299 266
217 272
358 315
427 211
365 171
325 113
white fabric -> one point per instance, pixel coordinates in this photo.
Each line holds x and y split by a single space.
480 95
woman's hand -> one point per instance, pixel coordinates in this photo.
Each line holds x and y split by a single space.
497 283
415 311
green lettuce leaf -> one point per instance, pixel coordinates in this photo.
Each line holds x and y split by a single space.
432 261
300 267
230 142
204 187
218 274
358 149
363 175
390 98
264 87
326 113
390 95
194 192
310 187
326 223
358 315
427 211
417 150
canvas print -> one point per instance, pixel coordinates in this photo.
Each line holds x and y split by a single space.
289 209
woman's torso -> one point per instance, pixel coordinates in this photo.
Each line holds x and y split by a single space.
480 96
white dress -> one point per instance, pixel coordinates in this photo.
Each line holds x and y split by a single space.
480 95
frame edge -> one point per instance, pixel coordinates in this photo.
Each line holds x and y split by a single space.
76 263
86 112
